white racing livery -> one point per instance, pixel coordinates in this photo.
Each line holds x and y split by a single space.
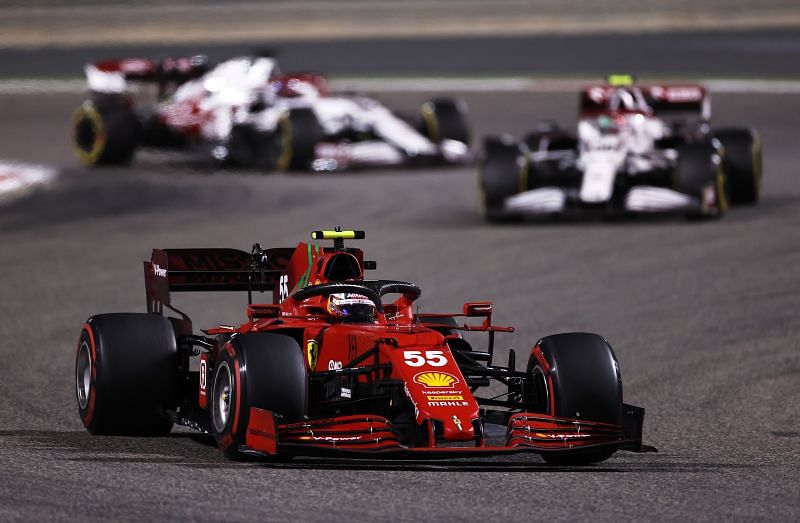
244 112
637 149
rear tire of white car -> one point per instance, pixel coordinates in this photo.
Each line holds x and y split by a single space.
741 161
445 119
498 176
699 174
105 136
299 133
254 149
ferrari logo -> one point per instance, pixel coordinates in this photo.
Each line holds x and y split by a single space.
312 353
457 422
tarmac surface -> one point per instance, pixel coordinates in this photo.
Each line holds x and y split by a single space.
702 316
719 53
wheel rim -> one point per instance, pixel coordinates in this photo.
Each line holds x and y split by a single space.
85 135
83 375
541 393
223 389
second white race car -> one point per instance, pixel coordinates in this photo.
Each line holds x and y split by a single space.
637 149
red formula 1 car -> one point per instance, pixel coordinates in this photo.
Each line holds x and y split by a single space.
335 367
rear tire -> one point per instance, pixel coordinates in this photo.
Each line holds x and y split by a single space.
300 132
699 174
499 175
125 374
263 370
107 136
741 162
580 376
445 119
250 148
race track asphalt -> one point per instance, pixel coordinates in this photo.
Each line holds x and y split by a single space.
703 317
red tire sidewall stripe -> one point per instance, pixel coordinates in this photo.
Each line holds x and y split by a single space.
89 415
230 436
537 353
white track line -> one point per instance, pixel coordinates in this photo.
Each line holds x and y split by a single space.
17 179
464 84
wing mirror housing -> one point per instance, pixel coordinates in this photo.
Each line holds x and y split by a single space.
478 309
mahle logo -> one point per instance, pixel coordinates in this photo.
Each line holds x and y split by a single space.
436 380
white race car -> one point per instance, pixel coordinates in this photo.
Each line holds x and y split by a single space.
244 112
637 149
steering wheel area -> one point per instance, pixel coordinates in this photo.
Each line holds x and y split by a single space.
372 289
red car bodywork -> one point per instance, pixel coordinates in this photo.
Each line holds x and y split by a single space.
400 348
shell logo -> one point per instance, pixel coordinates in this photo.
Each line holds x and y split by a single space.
436 379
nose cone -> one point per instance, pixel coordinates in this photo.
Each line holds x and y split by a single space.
456 429
443 395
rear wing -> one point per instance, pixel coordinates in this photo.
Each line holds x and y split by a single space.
112 76
211 270
674 99
664 100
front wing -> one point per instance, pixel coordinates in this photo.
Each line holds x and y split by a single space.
639 199
369 436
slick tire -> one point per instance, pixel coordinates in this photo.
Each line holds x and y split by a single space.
253 149
107 136
575 375
300 132
125 374
698 171
548 136
263 370
741 162
499 175
445 119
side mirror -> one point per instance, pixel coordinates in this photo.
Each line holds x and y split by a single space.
258 311
478 309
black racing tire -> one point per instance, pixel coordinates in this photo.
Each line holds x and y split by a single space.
699 168
579 375
263 370
250 148
300 132
445 119
125 374
741 162
105 136
499 174
549 136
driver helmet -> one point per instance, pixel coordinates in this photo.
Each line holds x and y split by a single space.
607 124
351 307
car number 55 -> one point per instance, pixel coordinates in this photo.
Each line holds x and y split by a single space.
415 358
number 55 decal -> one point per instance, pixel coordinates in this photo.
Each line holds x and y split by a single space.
415 358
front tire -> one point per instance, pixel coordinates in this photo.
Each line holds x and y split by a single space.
576 376
499 175
124 374
699 174
445 119
262 370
